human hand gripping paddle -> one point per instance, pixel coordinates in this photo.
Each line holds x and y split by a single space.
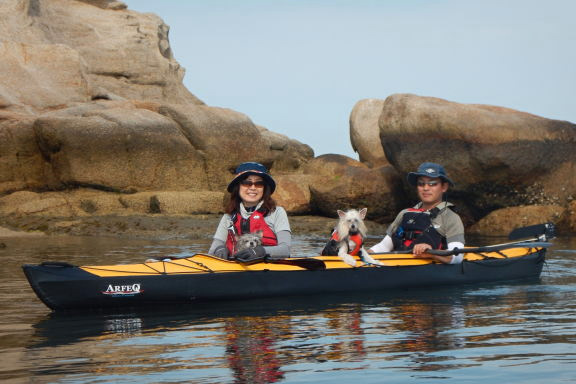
534 236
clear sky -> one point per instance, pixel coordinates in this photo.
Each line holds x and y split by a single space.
298 67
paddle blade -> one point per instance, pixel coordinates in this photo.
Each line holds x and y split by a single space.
306 263
538 231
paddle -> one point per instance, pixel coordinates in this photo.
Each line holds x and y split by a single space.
489 248
308 263
540 232
538 235
537 232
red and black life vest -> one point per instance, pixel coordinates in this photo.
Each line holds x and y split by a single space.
416 228
331 247
356 239
252 224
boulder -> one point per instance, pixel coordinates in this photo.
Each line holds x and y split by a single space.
22 165
25 203
501 222
365 132
63 51
115 146
92 97
40 76
287 155
293 193
226 138
87 202
174 202
567 223
343 183
497 156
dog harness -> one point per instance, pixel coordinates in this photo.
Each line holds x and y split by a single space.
416 228
356 239
253 224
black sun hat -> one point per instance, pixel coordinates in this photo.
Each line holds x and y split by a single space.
432 170
246 169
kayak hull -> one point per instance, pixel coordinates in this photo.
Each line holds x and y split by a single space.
63 287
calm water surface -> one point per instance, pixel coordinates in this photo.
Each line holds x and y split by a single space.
523 332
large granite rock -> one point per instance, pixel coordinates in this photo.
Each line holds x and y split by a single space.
61 51
498 157
118 147
365 132
567 222
88 202
91 97
293 192
40 76
343 183
502 221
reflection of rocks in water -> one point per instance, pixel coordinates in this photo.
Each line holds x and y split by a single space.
251 349
346 327
423 325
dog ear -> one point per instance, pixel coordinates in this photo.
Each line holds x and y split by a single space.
259 233
341 214
363 213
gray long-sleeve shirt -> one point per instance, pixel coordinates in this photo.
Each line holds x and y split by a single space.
278 222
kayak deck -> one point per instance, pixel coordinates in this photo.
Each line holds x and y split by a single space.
203 263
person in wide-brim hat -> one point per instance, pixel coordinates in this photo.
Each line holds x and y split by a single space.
430 224
246 169
431 170
250 209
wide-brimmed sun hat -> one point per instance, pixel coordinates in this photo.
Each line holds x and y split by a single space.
246 169
431 170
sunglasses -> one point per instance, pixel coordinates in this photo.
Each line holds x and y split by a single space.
428 183
248 183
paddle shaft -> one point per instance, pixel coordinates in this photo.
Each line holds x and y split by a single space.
490 248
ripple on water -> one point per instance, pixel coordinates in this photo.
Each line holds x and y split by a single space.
521 332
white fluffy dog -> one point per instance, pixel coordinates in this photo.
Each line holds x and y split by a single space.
350 234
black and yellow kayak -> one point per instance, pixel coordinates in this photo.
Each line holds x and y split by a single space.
202 277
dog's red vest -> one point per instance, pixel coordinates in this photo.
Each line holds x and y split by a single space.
256 223
357 239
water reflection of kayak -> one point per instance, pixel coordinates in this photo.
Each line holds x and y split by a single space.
202 278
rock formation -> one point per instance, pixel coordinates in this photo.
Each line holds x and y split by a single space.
344 183
365 132
497 156
91 97
95 120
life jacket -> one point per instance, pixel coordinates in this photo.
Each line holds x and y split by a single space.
253 224
331 249
416 228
